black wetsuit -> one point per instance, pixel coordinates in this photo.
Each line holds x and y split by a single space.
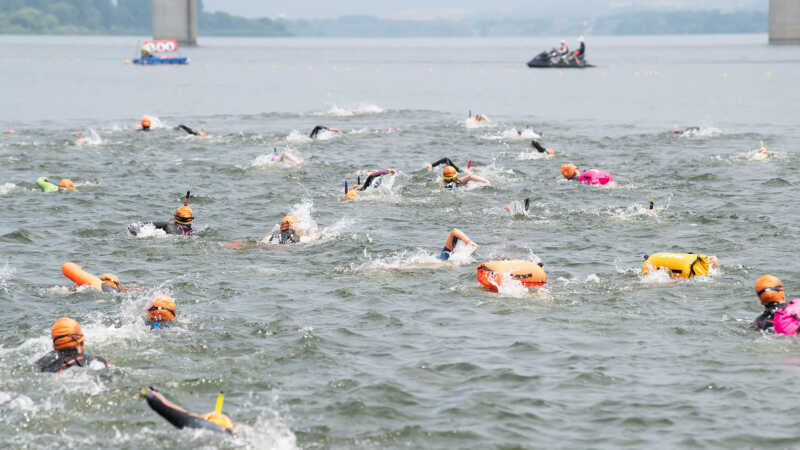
538 147
371 177
188 130
581 51
174 228
288 236
316 131
59 361
178 416
446 252
764 322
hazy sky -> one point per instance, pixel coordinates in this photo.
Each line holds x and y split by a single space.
424 9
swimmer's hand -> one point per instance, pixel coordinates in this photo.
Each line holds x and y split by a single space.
392 171
472 246
430 167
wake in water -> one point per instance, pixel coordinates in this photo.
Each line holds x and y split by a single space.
278 158
306 227
405 260
8 188
361 109
513 134
89 139
699 132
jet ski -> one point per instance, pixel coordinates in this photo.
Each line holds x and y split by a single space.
551 60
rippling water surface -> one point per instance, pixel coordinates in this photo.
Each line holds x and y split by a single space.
356 338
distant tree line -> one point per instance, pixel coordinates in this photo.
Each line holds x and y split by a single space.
115 17
135 17
642 22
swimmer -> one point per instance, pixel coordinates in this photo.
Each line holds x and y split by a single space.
763 151
144 125
591 176
769 290
111 283
526 206
450 244
10 130
191 131
288 233
373 179
686 130
319 128
180 418
285 156
46 186
478 117
541 149
450 175
68 348
161 313
181 224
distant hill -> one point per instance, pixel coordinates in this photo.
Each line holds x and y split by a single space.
135 17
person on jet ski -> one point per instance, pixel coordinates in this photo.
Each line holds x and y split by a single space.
577 56
563 52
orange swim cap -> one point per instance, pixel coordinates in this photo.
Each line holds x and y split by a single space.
676 131
145 123
288 222
569 170
449 173
184 215
66 183
66 333
162 308
351 195
219 419
769 289
110 279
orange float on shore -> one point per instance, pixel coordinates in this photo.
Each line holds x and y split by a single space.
75 273
528 273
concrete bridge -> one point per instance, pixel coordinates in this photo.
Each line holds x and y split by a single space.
784 21
175 19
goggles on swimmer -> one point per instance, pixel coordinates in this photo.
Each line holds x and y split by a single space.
184 221
450 178
74 336
778 288
114 283
161 308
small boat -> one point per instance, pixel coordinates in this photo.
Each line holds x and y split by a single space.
551 60
155 60
150 53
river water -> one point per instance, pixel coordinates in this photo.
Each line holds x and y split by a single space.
356 338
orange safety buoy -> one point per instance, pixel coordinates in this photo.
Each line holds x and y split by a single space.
529 273
75 273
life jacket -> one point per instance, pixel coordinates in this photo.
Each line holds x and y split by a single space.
787 320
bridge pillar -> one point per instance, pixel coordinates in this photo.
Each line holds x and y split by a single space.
784 22
175 19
